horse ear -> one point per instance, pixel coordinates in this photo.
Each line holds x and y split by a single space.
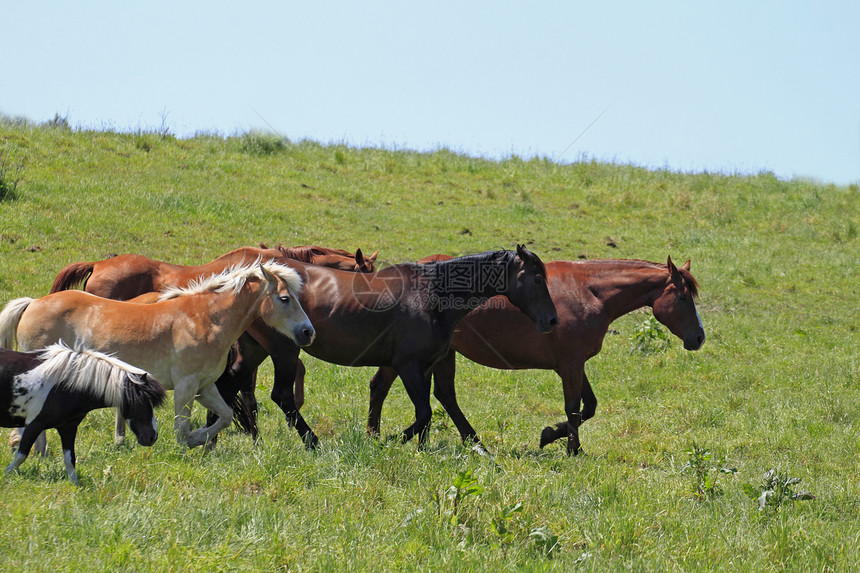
267 276
372 258
521 251
673 270
359 257
686 266
263 245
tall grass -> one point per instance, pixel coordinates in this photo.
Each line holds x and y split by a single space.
774 387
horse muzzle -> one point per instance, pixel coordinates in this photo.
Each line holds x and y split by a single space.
545 326
694 342
147 440
304 335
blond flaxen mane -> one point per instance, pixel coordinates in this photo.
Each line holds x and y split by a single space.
233 278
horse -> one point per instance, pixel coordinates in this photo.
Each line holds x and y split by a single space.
126 276
402 317
58 386
183 340
589 295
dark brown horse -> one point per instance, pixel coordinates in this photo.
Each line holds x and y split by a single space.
588 295
127 276
402 317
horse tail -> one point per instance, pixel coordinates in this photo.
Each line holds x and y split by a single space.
73 275
9 319
243 417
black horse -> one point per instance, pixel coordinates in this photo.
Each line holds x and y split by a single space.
402 317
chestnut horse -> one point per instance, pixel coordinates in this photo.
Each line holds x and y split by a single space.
183 340
588 295
402 317
127 276
57 387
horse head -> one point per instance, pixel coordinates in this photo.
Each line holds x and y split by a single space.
141 395
527 289
281 308
364 264
676 309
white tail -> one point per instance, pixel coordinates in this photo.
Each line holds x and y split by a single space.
9 319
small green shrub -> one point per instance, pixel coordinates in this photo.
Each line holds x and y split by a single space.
450 504
649 337
502 523
775 491
705 472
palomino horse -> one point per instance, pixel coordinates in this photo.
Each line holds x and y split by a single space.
588 295
126 277
57 387
183 340
402 317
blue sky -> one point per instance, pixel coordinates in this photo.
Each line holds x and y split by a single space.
689 86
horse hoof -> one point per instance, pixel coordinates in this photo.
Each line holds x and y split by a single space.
575 451
479 449
546 436
311 441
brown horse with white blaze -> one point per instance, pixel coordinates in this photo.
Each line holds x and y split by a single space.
588 295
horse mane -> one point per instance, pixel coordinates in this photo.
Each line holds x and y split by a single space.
306 253
100 375
233 278
687 276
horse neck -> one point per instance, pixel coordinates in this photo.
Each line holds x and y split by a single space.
477 278
626 285
232 313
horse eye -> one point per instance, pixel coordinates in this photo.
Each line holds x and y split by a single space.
285 298
538 280
682 297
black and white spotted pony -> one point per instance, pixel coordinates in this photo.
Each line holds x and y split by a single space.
56 387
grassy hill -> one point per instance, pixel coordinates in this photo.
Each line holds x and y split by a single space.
774 387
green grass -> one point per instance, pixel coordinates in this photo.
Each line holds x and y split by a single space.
775 385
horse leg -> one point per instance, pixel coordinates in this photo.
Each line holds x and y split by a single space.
119 428
571 382
68 432
28 437
285 360
41 443
443 379
251 355
241 376
417 384
183 397
589 406
380 384
299 384
211 400
589 400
